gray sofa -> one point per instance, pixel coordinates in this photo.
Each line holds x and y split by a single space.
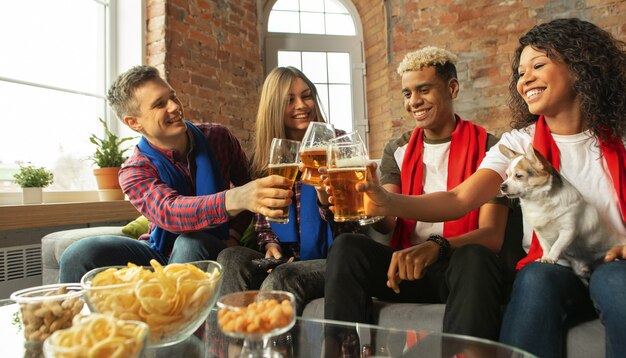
584 340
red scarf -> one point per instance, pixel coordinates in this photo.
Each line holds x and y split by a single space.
614 154
467 150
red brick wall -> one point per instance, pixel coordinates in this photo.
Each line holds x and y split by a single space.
211 53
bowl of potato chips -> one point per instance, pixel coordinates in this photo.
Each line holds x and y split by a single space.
174 300
98 335
256 316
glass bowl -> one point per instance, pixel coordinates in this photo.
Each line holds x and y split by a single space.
98 335
46 309
174 300
255 317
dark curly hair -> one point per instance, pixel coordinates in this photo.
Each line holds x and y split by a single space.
595 58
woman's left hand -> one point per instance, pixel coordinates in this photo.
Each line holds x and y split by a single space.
616 252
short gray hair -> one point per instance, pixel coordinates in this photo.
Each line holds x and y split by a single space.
121 94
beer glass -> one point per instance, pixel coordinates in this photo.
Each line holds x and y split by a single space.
347 166
284 162
313 151
355 137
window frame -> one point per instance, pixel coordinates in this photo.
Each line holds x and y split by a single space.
278 41
117 57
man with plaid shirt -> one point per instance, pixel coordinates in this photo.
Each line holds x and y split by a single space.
191 182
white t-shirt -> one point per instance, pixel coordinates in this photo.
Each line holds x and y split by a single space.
435 158
581 164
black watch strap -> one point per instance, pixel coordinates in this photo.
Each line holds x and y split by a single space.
444 244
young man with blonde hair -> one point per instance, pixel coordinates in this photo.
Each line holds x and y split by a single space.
427 262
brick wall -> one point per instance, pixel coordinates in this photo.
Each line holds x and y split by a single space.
210 51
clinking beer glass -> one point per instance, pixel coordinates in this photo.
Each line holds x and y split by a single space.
354 138
284 162
313 151
347 166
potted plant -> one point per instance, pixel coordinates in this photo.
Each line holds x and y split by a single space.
32 180
109 157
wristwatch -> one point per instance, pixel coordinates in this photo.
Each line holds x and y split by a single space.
444 244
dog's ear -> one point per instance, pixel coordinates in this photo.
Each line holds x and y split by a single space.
507 152
537 159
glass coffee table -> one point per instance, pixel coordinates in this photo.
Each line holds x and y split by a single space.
309 338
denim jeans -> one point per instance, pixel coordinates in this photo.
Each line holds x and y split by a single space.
305 279
547 298
110 250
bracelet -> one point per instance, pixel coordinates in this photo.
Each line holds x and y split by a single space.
444 244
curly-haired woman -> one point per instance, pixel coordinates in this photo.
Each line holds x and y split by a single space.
568 97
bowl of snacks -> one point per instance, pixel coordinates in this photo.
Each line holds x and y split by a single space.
255 317
174 300
98 335
46 309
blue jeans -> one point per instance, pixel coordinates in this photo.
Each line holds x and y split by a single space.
110 250
547 298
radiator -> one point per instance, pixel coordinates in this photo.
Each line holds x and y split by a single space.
20 267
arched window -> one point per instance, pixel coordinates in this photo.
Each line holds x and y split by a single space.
323 38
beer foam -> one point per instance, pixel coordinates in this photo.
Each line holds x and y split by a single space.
354 162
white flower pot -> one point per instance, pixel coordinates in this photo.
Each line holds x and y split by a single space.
32 195
111 194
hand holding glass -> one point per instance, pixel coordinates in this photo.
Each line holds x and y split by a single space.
346 168
313 151
284 162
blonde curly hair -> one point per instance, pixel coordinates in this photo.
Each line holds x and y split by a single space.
444 60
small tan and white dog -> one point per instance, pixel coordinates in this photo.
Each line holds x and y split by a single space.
566 225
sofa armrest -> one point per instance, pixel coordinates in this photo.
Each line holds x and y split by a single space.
54 244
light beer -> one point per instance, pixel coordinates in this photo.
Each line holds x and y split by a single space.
348 201
312 159
289 171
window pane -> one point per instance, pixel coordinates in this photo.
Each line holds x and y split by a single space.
53 45
283 21
322 91
314 66
339 25
339 67
37 131
341 106
335 6
312 5
290 58
286 5
312 23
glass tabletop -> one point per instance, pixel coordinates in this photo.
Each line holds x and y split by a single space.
308 338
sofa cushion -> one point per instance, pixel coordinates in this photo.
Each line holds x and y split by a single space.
137 227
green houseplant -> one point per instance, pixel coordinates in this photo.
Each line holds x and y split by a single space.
109 157
32 180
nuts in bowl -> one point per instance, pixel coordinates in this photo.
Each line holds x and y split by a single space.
46 309
174 300
98 335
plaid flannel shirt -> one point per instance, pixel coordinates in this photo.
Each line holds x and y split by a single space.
166 208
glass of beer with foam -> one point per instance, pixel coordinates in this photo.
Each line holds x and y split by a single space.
313 151
284 159
355 137
347 166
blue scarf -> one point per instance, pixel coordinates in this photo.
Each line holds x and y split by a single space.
208 181
316 234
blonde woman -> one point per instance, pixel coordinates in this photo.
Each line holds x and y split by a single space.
289 102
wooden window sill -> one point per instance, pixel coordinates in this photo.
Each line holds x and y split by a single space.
14 217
